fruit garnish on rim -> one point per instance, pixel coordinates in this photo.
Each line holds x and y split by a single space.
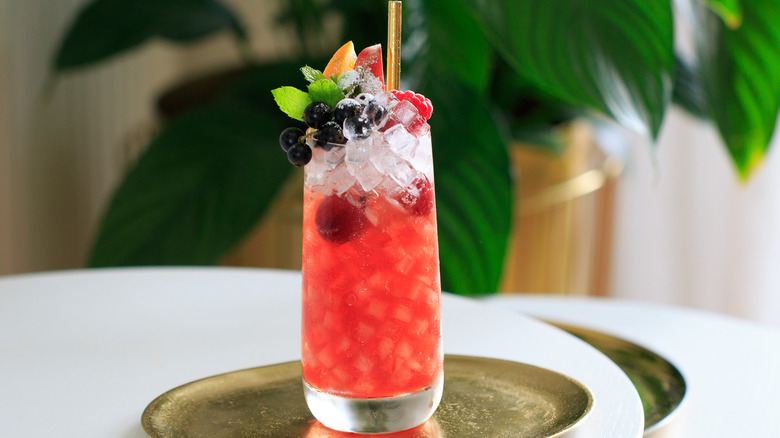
347 101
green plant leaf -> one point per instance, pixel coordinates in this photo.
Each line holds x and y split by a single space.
326 91
104 28
728 10
688 93
291 101
473 187
740 73
312 74
202 184
615 56
452 39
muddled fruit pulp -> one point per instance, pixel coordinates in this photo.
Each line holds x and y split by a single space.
371 291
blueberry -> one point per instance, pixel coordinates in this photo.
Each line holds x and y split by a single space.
317 114
345 109
299 154
330 134
289 137
357 127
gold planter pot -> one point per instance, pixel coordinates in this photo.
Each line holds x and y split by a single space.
562 231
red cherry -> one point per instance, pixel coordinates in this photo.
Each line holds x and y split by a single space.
338 220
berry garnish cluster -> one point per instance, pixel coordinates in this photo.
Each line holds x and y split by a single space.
346 102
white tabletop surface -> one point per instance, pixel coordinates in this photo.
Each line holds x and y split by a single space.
83 352
732 366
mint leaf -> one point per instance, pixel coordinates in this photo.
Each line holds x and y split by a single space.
325 90
291 101
312 74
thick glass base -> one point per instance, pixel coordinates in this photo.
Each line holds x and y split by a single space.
374 415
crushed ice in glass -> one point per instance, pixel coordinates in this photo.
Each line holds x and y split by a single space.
387 156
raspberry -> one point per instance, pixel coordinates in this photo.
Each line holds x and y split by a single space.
422 103
418 197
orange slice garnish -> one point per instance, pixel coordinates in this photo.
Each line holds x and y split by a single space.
342 61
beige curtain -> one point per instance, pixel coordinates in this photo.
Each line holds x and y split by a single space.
689 233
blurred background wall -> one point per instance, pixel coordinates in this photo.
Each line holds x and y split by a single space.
686 232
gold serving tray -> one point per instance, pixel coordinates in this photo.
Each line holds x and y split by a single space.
482 398
660 384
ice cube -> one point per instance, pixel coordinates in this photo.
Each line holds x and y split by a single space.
335 156
384 159
340 180
366 174
380 107
389 163
391 191
400 140
356 152
406 114
419 129
386 99
316 168
403 173
422 159
405 111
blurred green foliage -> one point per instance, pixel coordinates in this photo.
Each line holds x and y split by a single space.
497 71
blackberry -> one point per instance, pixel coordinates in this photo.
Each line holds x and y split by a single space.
299 154
289 137
374 112
317 114
357 127
345 109
330 134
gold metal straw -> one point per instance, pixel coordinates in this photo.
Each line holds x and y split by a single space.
393 45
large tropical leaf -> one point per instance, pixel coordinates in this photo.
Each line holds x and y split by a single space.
740 72
615 56
446 33
473 189
688 93
104 28
198 189
729 11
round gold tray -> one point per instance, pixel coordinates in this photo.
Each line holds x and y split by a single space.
660 384
482 398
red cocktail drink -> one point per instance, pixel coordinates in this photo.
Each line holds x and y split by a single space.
371 334
371 292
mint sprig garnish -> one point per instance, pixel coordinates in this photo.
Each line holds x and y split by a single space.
326 91
292 101
312 74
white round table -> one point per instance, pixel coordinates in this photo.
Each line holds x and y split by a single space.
83 352
731 366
